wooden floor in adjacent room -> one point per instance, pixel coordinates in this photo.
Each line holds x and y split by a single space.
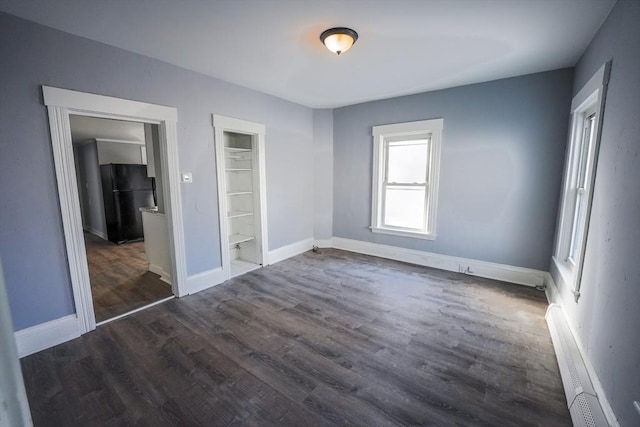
334 338
120 277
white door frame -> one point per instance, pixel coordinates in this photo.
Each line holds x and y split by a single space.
221 125
60 104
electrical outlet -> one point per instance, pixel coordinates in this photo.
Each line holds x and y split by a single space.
464 269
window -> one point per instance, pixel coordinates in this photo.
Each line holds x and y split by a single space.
405 178
580 167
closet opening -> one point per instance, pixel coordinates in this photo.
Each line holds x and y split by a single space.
240 162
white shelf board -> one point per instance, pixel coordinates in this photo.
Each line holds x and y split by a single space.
238 170
237 150
239 238
237 193
239 266
238 214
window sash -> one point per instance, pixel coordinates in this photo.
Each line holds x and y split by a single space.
575 229
400 141
583 159
389 143
406 187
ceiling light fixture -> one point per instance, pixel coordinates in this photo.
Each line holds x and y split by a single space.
339 40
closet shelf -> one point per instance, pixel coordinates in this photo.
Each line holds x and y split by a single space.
237 150
238 170
237 193
234 239
238 214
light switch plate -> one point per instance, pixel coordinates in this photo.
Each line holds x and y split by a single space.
187 178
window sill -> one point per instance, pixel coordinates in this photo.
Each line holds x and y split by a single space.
393 232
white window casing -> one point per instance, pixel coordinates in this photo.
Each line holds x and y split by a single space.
587 109
406 169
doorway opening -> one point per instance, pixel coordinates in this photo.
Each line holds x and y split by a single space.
62 105
118 173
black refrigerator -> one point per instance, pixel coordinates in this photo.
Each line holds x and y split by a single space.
125 189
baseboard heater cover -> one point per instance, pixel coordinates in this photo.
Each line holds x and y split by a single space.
582 399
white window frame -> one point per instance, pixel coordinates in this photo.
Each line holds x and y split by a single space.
589 102
381 134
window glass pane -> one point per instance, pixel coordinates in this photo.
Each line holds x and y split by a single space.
587 140
404 207
407 162
575 229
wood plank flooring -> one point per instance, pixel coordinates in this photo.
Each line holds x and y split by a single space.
120 277
334 338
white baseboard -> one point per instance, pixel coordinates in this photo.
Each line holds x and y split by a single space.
289 251
553 295
206 279
324 243
98 233
164 276
489 270
582 400
45 335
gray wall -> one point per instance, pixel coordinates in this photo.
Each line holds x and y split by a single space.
90 188
607 316
502 158
323 174
31 236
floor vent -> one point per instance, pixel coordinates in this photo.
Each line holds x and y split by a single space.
582 400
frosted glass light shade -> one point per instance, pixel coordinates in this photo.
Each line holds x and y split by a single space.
339 40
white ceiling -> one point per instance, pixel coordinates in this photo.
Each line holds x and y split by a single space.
405 46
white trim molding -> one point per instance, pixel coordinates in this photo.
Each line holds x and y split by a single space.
129 313
424 132
222 124
71 216
559 324
171 185
324 243
550 289
587 110
60 104
90 103
205 280
489 270
45 335
289 251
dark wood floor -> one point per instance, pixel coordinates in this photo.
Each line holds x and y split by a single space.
320 339
120 277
